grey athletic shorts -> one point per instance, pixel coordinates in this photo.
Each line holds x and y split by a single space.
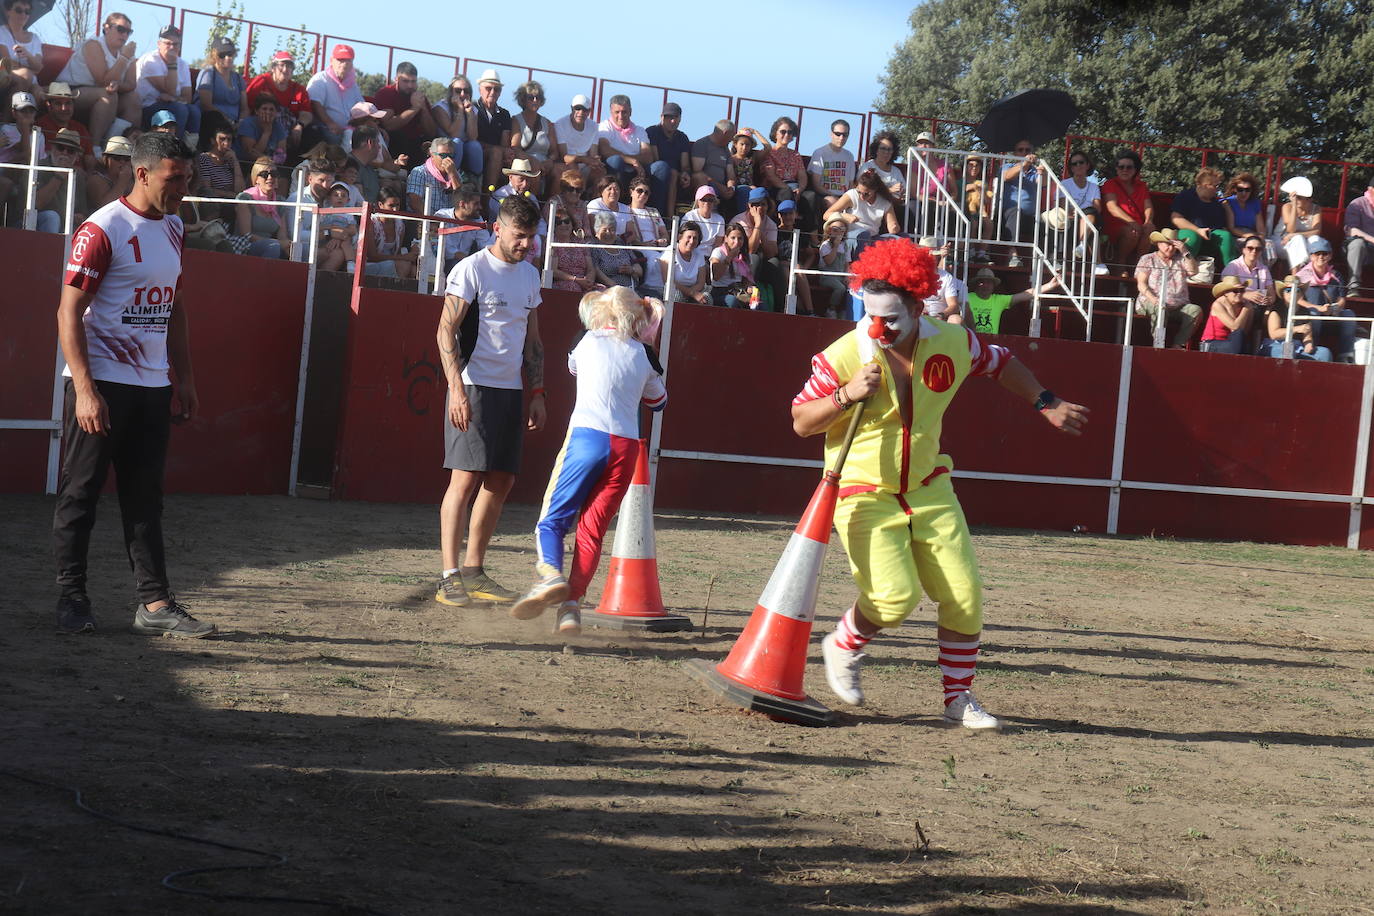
495 433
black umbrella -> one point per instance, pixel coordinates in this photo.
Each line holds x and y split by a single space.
1037 115
40 9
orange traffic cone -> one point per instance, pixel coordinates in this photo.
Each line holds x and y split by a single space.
632 599
764 670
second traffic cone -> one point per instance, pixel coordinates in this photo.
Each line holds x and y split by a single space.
763 671
632 599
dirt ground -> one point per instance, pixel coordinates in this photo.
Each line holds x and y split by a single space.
1188 730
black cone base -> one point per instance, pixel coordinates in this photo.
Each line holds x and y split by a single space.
663 623
799 712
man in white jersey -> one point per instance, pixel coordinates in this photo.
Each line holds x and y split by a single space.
488 330
121 325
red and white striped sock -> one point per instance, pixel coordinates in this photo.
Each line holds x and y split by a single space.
957 661
847 635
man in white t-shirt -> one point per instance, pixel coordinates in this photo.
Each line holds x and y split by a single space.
579 140
624 146
164 83
488 331
832 169
122 326
947 303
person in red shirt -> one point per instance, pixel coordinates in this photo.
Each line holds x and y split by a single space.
409 120
61 107
293 104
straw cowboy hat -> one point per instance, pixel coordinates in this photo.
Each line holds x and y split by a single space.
1227 285
1164 235
521 167
986 274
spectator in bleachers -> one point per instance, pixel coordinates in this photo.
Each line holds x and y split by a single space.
373 160
1228 323
1276 329
262 133
265 225
217 169
671 147
104 75
294 108
784 170
319 177
793 246
1130 213
520 179
882 153
386 251
1161 277
164 83
731 276
623 144
533 137
1299 223
572 266
614 266
761 238
832 169
867 208
338 232
704 215
746 165
221 91
1359 236
570 185
607 200
61 107
1200 218
577 141
407 117
493 128
21 48
835 253
455 116
1022 181
113 175
51 188
467 206
333 93
365 113
927 193
947 302
711 161
1322 292
690 272
166 122
1244 209
1254 276
978 201
986 306
1084 192
652 230
439 174
17 142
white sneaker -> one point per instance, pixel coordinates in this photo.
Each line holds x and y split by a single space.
1100 270
1078 250
549 590
1014 261
965 710
569 619
842 671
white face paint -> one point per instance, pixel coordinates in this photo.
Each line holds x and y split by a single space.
898 322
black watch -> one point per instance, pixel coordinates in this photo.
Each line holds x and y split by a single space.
1045 399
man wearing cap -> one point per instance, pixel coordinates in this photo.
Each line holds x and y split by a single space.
408 118
164 83
624 146
114 177
761 240
294 111
986 306
1322 292
439 174
832 169
165 121
928 191
711 160
1162 277
577 140
1228 324
493 128
672 148
1359 235
804 256
50 189
61 107
333 93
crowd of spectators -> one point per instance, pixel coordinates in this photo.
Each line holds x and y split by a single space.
616 186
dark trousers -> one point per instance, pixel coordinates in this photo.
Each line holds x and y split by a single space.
136 444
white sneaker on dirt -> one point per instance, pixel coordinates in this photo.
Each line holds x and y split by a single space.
549 590
569 619
842 671
965 710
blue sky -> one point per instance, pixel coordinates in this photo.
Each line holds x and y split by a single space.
807 52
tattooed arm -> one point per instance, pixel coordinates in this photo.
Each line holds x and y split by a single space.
534 371
459 411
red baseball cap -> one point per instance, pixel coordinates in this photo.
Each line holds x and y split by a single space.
342 52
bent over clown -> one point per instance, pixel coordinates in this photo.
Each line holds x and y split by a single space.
898 517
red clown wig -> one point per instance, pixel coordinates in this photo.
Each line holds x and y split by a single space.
899 263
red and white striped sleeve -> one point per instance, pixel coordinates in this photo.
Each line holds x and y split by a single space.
986 359
822 383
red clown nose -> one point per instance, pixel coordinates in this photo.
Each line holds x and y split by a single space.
879 330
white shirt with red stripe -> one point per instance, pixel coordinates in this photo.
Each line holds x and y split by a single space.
132 263
614 377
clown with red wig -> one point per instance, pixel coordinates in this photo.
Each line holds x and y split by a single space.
898 517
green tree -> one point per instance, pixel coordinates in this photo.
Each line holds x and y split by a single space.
76 22
1282 77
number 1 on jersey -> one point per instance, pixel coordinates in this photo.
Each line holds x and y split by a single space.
138 254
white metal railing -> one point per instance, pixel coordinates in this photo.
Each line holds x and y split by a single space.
658 251
793 272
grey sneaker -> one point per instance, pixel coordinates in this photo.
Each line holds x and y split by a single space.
842 671
965 710
550 589
450 591
484 588
74 615
569 620
172 620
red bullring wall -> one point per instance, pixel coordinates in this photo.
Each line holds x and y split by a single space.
1192 419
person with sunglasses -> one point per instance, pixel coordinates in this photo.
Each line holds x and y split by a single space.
784 172
1022 179
455 116
439 174
1256 279
164 83
1322 293
533 138
21 49
103 75
1200 218
577 141
1244 209
221 92
294 112
832 170
1130 213
1087 195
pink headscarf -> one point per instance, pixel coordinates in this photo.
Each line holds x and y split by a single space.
274 212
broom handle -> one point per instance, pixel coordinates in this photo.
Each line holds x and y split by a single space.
848 439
